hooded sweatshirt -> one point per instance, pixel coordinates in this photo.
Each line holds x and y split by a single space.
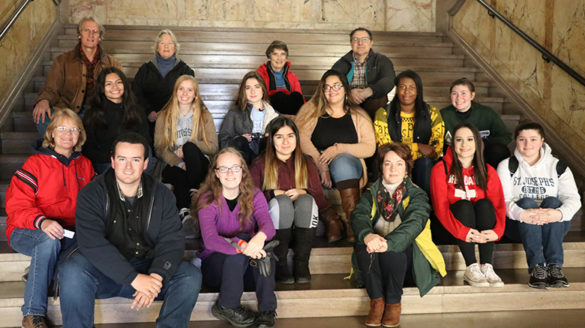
537 182
444 193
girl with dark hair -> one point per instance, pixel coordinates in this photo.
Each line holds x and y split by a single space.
184 138
113 111
392 227
283 85
492 129
244 127
410 120
291 184
541 199
235 224
468 200
338 135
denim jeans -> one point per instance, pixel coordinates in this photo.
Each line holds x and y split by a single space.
44 253
345 167
421 173
543 244
80 283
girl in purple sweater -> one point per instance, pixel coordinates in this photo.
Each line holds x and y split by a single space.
235 224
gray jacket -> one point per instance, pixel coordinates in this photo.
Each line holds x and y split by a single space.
238 122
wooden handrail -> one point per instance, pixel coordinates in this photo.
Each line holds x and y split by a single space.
546 55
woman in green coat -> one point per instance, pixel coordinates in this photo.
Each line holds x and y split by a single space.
391 225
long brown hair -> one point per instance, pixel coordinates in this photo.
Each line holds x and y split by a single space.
271 161
319 99
211 189
242 100
170 117
479 166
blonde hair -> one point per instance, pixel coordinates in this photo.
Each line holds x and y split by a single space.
58 117
173 37
170 117
212 189
91 19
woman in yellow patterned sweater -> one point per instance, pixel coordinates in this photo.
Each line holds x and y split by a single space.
410 120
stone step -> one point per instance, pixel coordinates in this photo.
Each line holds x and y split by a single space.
331 296
337 259
18 142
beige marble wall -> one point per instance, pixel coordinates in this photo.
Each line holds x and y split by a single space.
380 15
559 25
23 38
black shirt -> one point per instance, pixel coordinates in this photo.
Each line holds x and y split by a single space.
330 131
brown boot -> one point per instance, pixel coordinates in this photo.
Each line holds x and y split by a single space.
334 225
374 318
392 315
349 198
34 321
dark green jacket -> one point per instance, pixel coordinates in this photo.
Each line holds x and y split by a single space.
414 212
483 117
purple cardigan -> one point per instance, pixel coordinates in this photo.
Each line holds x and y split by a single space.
216 226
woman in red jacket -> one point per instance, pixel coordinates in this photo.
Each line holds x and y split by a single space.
283 85
468 199
40 203
291 184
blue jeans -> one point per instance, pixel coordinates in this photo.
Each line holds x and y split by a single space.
543 244
345 167
421 173
81 283
44 253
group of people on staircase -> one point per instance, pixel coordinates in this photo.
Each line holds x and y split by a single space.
91 210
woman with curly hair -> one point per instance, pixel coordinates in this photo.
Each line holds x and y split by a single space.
184 138
235 224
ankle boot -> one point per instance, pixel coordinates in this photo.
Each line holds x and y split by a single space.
374 318
302 249
391 317
283 274
334 225
349 198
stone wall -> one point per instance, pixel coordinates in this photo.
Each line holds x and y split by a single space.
558 25
379 15
23 38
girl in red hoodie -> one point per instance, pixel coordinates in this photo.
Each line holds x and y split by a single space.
468 200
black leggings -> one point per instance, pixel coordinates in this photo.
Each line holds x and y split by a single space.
480 216
196 165
287 104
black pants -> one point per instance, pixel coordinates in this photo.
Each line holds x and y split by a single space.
231 274
242 144
494 153
196 165
479 216
287 104
384 273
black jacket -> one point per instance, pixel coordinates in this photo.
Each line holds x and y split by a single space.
162 230
152 90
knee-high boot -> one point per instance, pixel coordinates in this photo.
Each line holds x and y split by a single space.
349 198
283 274
334 225
302 249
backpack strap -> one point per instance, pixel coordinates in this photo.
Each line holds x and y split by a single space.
512 165
561 168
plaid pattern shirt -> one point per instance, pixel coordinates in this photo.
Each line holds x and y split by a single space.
359 75
90 66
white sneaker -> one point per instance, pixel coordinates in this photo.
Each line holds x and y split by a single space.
474 277
492 278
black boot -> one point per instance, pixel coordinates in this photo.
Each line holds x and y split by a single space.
283 274
302 249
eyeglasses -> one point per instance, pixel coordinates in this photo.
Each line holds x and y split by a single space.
170 44
88 31
225 170
335 87
64 129
364 39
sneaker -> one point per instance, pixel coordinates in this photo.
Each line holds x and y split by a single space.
34 321
239 317
474 277
556 278
183 213
265 319
538 277
492 278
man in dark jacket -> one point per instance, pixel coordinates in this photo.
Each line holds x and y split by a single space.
130 244
370 74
